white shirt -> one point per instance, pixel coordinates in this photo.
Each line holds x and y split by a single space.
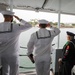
42 46
9 44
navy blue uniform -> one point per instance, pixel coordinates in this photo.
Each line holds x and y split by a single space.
68 57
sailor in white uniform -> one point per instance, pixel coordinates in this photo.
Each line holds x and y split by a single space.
9 42
41 42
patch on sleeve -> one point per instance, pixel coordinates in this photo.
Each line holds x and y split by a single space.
68 47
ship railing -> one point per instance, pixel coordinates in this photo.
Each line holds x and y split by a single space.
22 66
26 55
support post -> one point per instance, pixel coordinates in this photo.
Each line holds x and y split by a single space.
11 5
59 15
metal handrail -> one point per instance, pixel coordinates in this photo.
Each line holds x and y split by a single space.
22 55
27 67
26 55
26 47
23 47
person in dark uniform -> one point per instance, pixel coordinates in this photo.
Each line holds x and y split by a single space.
68 55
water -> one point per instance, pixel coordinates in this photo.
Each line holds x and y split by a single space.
24 37
24 60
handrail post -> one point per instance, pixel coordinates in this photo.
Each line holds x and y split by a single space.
59 15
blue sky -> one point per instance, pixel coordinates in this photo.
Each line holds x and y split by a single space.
28 15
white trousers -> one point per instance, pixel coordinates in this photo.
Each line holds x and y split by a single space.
42 64
10 65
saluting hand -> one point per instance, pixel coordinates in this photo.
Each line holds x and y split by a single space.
49 25
17 17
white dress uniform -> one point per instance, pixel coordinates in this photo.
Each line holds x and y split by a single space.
41 43
9 46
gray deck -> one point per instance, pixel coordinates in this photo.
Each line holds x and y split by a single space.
28 73
32 73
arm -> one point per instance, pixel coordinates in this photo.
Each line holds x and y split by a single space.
17 17
30 47
24 24
55 31
65 53
68 54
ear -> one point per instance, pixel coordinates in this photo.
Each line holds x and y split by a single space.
39 25
68 37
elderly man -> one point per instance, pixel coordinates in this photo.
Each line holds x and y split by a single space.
41 42
9 42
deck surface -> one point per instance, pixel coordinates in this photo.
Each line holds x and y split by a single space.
32 73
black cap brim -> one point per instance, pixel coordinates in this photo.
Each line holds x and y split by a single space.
70 33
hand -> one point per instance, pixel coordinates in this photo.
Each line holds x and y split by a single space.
31 58
48 25
60 60
17 17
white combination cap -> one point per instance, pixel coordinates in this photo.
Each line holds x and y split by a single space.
7 12
42 21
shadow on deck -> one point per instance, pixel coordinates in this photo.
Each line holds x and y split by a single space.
32 73
28 73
